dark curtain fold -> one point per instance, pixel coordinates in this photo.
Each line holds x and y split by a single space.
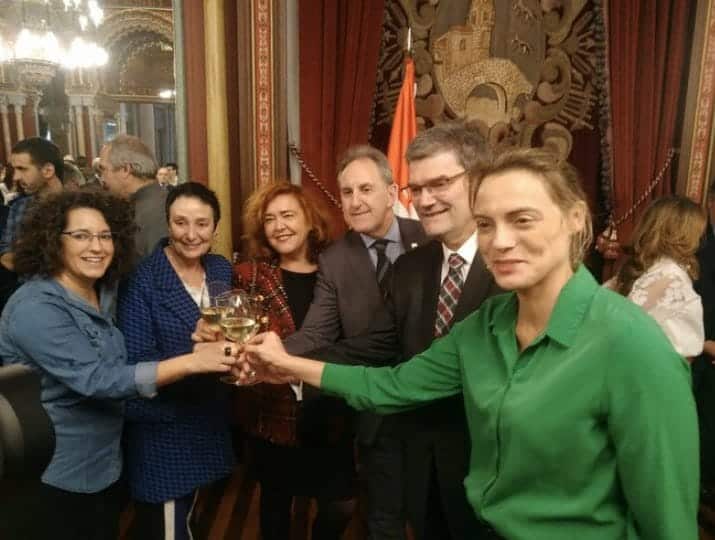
339 44
648 56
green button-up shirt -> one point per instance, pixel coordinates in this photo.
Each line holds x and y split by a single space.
590 433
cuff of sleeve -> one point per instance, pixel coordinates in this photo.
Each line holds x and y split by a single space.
335 378
297 390
145 378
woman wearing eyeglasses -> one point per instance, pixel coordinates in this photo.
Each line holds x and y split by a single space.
72 248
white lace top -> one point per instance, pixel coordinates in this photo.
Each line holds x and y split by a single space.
665 291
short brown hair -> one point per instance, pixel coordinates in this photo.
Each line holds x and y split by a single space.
459 137
562 181
669 227
38 248
365 151
254 213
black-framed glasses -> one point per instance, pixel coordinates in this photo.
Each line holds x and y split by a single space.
435 186
85 237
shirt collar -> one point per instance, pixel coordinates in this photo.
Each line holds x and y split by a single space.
392 235
571 306
468 250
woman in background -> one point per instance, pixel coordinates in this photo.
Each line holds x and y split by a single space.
181 440
659 274
299 447
72 249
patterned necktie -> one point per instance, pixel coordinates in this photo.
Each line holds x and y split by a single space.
449 295
383 263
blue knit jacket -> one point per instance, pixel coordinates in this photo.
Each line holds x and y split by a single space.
179 440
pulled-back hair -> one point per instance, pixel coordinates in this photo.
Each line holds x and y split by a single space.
194 190
38 248
670 227
254 213
562 182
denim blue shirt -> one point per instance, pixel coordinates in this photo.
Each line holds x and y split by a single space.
82 360
14 218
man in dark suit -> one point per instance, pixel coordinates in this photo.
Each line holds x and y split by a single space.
703 367
436 442
347 294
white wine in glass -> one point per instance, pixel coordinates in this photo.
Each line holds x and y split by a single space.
212 316
239 320
213 297
239 329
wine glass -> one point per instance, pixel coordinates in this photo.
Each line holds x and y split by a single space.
239 320
212 295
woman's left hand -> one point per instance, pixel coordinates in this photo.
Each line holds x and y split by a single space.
216 357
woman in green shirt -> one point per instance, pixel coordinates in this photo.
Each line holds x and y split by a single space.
580 412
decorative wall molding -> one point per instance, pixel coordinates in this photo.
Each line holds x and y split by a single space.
698 139
263 96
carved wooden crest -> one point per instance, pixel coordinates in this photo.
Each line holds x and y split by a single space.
523 70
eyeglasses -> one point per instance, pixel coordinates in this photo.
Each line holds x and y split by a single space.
85 237
435 186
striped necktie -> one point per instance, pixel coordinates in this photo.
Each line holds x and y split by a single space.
449 295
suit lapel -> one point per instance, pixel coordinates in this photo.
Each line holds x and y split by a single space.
475 289
431 285
411 233
358 260
173 296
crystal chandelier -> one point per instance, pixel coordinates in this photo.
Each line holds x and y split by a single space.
41 35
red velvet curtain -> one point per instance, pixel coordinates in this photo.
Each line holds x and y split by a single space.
339 48
648 51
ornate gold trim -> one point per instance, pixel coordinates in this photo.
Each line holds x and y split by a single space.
699 131
263 100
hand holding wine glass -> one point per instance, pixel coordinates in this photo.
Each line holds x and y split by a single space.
212 297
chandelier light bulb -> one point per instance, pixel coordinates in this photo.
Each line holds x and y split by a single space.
95 12
84 55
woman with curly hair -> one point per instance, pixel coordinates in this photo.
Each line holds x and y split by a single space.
659 273
300 446
73 246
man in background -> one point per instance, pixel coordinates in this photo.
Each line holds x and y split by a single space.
38 172
128 171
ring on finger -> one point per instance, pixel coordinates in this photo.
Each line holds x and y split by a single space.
227 350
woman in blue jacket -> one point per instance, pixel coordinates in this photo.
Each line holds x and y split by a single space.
180 440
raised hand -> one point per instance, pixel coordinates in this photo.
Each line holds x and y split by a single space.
247 372
266 351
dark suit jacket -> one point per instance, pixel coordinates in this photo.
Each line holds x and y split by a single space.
180 439
702 369
346 293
